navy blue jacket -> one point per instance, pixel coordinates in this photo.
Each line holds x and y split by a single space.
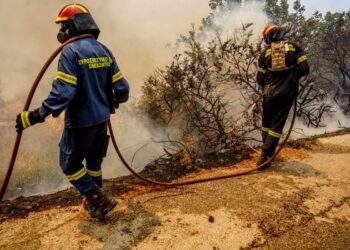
88 85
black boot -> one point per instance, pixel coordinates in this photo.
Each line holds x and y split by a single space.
90 207
98 203
263 158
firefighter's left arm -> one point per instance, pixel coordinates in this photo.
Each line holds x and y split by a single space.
120 85
260 76
303 67
64 86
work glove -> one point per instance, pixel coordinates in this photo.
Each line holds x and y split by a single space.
26 119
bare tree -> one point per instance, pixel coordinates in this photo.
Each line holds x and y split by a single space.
194 94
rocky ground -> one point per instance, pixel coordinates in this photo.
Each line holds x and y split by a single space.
302 202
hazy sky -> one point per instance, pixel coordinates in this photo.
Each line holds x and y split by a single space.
325 5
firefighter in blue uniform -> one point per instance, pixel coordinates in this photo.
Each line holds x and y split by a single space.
280 67
88 87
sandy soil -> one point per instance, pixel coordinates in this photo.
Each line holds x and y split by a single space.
302 202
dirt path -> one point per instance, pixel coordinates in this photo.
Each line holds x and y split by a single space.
300 203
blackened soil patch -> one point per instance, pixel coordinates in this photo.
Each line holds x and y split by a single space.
297 168
21 206
167 170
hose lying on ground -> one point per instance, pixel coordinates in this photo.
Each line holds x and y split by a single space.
205 179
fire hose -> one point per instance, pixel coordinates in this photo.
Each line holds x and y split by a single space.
28 102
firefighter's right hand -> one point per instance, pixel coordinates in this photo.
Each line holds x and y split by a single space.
26 119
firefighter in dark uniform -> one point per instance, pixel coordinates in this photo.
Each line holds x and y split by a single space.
88 87
280 67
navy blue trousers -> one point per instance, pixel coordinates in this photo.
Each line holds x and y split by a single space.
79 144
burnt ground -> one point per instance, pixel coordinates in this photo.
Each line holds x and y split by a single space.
163 170
301 202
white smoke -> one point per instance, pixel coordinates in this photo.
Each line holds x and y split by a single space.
137 139
250 12
227 25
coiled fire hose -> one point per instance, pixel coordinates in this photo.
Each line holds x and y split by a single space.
30 97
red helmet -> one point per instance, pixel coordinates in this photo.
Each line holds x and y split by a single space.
69 11
266 32
268 28
78 20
